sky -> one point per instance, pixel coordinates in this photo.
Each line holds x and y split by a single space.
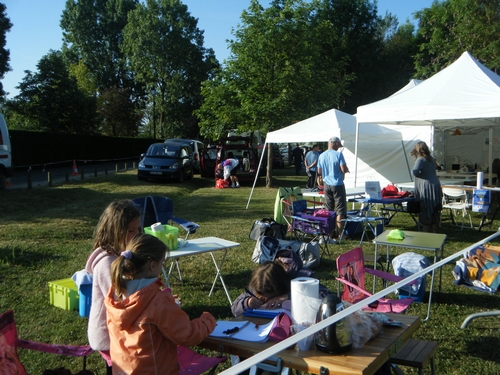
36 30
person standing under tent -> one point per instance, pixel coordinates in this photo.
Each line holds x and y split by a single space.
298 158
311 164
332 169
427 187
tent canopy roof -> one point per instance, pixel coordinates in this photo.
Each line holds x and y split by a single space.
466 93
322 127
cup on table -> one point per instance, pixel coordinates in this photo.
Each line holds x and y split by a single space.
304 344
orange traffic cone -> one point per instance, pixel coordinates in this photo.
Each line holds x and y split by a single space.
75 170
8 182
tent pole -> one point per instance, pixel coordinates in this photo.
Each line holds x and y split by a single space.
356 154
490 156
406 158
257 175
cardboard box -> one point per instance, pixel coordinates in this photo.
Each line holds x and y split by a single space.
64 294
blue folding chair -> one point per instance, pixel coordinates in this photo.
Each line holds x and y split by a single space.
161 209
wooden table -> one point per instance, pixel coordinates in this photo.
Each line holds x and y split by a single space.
420 241
201 246
364 361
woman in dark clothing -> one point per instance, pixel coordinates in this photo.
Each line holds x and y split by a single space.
427 187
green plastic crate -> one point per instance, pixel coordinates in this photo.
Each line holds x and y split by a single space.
64 294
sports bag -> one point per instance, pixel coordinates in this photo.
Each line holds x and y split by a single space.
267 227
391 191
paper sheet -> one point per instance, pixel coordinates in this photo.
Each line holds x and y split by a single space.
247 330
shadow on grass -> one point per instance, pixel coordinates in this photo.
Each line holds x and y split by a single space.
484 347
18 257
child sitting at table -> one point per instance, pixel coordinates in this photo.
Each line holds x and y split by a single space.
269 287
144 322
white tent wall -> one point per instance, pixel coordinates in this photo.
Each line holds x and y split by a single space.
466 94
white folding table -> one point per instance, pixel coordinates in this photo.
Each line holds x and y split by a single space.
199 246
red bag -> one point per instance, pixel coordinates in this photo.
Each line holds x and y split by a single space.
391 191
221 183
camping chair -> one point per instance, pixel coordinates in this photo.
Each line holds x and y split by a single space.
10 342
479 270
365 221
457 200
306 225
351 272
161 209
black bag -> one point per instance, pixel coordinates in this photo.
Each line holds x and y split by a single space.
267 227
267 248
413 207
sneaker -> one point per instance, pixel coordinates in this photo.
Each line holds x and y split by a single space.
237 185
232 186
332 241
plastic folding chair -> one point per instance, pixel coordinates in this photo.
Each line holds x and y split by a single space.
456 200
10 342
351 272
368 223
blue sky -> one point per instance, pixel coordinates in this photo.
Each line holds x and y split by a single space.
36 29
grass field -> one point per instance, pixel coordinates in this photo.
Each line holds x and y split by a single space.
46 234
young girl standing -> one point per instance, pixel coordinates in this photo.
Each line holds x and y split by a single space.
118 224
145 324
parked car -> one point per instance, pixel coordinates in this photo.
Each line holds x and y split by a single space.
198 148
168 160
241 149
6 169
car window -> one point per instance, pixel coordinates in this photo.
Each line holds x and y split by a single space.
163 150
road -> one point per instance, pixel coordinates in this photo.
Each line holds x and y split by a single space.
39 176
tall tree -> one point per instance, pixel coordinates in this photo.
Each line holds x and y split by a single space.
164 47
451 27
51 101
92 33
275 75
5 26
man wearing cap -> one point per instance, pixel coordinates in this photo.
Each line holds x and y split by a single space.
332 168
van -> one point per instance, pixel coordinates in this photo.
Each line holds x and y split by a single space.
198 148
6 169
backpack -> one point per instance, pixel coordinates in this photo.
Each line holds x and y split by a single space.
391 191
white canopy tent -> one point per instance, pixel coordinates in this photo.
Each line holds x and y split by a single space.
464 95
382 155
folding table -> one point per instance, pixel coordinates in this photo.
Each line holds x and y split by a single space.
200 246
420 241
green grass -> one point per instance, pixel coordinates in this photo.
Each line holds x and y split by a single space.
46 235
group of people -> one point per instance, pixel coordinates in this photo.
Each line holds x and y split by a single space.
135 322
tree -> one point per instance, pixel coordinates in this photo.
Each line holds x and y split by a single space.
92 33
51 101
276 74
120 116
164 48
5 26
451 27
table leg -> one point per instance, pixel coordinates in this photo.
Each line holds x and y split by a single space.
167 275
218 267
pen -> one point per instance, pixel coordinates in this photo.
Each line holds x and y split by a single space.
257 326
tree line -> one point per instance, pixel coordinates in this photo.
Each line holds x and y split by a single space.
141 69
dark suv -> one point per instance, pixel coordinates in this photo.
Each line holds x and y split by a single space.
241 149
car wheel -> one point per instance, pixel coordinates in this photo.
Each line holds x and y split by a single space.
191 175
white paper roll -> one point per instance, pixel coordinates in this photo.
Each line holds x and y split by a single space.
157 227
480 178
305 301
